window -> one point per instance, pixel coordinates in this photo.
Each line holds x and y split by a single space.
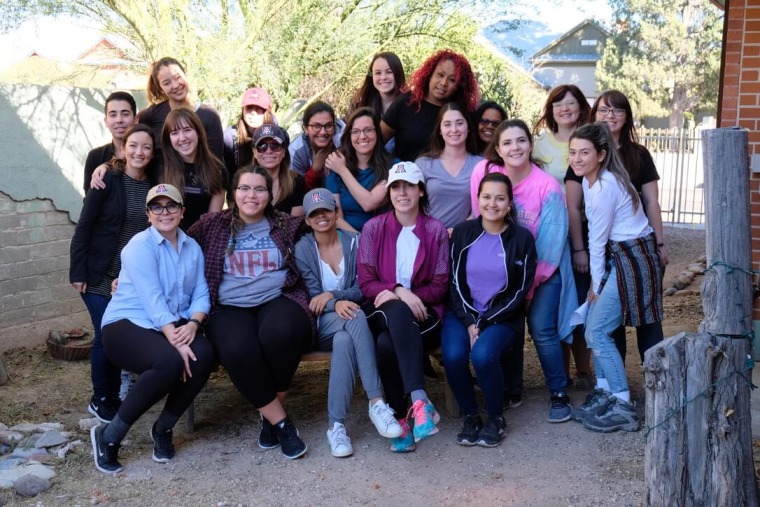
589 42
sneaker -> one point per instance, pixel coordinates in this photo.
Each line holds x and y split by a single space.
584 382
163 447
267 436
405 442
493 432
513 400
126 384
593 402
382 417
106 456
470 430
290 443
425 420
104 409
615 415
340 444
560 408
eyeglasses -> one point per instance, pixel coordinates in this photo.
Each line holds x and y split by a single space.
158 209
568 103
604 111
274 147
328 127
486 122
246 189
367 131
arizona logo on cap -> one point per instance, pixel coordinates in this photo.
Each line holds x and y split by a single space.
266 130
400 168
161 189
317 197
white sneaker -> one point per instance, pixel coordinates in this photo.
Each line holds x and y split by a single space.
340 444
383 418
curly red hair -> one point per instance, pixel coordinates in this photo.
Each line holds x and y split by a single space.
467 92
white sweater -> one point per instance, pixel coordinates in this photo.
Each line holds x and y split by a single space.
611 216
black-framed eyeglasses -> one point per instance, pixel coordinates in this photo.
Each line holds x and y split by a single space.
158 209
567 103
247 189
604 111
486 122
274 147
367 131
328 127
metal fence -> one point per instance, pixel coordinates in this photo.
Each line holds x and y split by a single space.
677 154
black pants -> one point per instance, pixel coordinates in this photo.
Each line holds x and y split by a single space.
401 345
261 347
149 353
647 335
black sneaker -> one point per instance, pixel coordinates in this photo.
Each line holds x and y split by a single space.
268 436
163 447
591 405
106 456
290 443
615 415
470 430
493 432
513 400
560 410
104 409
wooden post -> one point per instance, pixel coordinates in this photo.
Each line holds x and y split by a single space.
699 442
4 376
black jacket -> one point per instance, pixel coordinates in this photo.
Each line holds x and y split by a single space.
507 306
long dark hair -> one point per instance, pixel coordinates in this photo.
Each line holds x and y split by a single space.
367 95
423 205
236 223
501 178
547 120
629 139
208 168
478 114
153 90
492 156
379 161
437 144
599 135
245 136
285 177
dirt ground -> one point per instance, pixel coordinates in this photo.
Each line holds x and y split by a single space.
539 464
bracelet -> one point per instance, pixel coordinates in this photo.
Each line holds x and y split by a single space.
660 245
579 250
197 322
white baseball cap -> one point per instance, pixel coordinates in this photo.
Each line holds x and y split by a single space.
405 171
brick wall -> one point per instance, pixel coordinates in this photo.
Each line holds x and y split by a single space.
35 294
740 104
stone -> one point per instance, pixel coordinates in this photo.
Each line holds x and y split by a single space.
685 280
31 485
87 424
50 438
3 426
61 453
41 458
25 427
678 284
681 293
669 291
4 449
9 477
697 269
47 426
36 469
10 463
8 436
688 274
25 452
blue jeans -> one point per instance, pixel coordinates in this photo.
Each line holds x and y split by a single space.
604 316
486 356
106 378
543 316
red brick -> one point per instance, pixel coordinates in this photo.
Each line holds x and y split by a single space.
751 50
749 75
750 27
744 100
751 62
750 88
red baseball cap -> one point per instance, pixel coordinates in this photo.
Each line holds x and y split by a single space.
257 97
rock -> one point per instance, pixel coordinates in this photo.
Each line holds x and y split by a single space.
9 477
10 463
4 449
36 469
670 291
41 458
50 438
8 436
26 427
25 452
697 269
31 485
684 292
47 426
678 284
3 426
61 453
87 424
685 280
687 274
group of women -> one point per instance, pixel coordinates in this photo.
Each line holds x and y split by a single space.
325 245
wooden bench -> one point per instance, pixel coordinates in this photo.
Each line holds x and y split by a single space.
452 408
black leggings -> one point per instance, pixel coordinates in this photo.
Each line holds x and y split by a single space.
261 347
149 353
401 345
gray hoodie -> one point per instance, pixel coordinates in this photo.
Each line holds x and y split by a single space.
307 260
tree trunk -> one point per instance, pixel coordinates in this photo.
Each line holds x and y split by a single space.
4 376
699 442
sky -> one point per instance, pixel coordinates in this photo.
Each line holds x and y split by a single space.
64 38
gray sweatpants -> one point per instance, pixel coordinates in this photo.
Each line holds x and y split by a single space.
352 348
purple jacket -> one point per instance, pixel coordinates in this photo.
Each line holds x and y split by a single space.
376 264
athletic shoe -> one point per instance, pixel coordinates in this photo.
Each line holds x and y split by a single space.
126 384
340 444
106 456
104 409
493 432
382 417
405 442
513 400
291 445
560 407
584 382
470 430
593 403
163 447
425 419
267 436
615 415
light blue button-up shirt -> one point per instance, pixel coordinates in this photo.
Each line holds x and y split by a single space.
159 285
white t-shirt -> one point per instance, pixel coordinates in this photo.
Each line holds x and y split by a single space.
407 245
330 279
